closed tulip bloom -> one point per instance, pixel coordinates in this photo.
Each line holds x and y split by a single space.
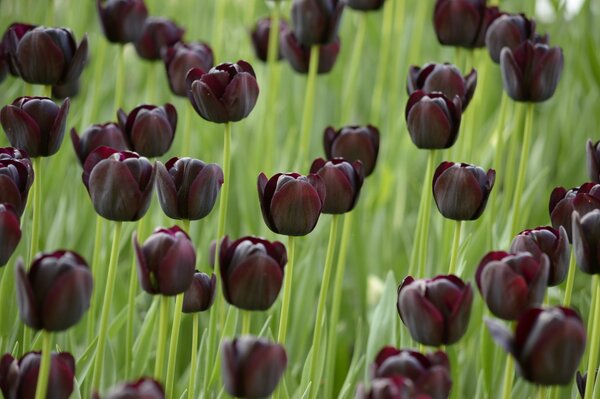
343 181
461 190
149 128
180 58
10 232
530 72
9 43
365 5
16 178
158 32
144 388
563 203
445 78
119 183
260 38
252 271
593 160
35 124
55 292
394 387
227 93
432 119
122 20
165 262
353 143
463 23
106 134
18 377
188 188
435 311
546 240
251 366
508 30
586 241
291 203
201 293
316 22
298 54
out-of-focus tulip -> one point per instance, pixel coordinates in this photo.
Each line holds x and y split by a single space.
201 294
291 203
353 143
445 78
432 119
463 23
343 181
435 311
395 387
119 183
586 241
144 388
55 292
508 30
158 32
582 199
10 41
106 134
316 22
227 93
149 128
188 188
35 124
182 57
593 160
298 55
16 177
122 20
365 5
260 38
10 232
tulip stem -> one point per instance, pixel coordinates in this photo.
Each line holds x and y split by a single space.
522 168
348 99
217 29
455 247
427 193
246 318
508 377
186 226
91 321
287 292
194 359
159 365
120 82
542 392
131 307
108 295
309 108
498 153
570 279
44 374
319 321
224 194
594 342
173 346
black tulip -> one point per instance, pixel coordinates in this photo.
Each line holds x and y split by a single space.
298 54
106 134
150 129
158 32
122 20
201 294
180 58
353 143
316 22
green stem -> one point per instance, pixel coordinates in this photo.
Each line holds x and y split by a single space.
522 169
287 292
187 130
309 106
110 287
455 247
382 63
44 374
508 377
173 346
542 391
131 306
212 334
319 321
468 117
217 29
594 342
224 194
570 279
91 317
194 359
91 108
186 226
426 214
498 136
511 160
159 365
246 319
120 76
348 99
423 7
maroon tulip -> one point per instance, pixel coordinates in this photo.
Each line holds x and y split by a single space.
593 160
201 294
144 388
35 124
316 22
10 41
435 311
260 38
365 5
445 78
463 23
582 199
158 32
353 143
122 20
508 30
16 177
180 58
298 54
150 129
10 232
106 134
586 241
395 387
343 181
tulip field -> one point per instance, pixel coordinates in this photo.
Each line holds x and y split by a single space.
372 199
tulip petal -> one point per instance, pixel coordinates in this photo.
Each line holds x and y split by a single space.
68 300
504 291
208 105
203 192
512 75
253 284
25 298
424 321
78 62
21 129
40 59
10 233
57 132
240 96
167 192
501 335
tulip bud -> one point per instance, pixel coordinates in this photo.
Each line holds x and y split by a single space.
586 241
18 378
106 134
182 57
433 121
365 5
16 177
201 294
144 388
291 203
298 54
165 262
445 78
119 183
10 41
188 188
10 232
122 20
316 22
593 160
252 271
343 181
563 203
158 32
508 30
227 93
260 38
353 143
463 23
150 129
531 71
35 124
55 292
394 387
251 366
435 311
461 190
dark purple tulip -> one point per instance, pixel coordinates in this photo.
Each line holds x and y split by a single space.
144 388
119 183
353 143
435 311
547 345
18 377
55 292
586 241
10 232
188 188
165 261
158 32
252 271
316 22
531 71
298 55
227 93
260 38
549 241
508 30
16 177
35 124
201 294
432 119
512 283
445 78
461 190
394 387
291 203
593 160
122 20
582 199
343 181
365 5
182 57
150 129
252 367
10 40
106 134
463 23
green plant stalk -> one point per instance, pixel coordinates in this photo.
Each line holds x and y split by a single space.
426 214
246 319
159 365
394 84
194 359
348 99
287 292
309 106
522 168
455 247
319 320
541 391
119 85
497 162
594 317
508 377
131 306
217 29
91 108
110 287
44 373
212 333
423 7
508 183
91 316
384 53
570 279
468 121
187 130
173 346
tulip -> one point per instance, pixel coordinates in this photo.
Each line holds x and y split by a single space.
593 160
316 22
55 292
546 240
201 294
35 124
227 93
343 181
144 388
547 345
586 241
150 129
119 183
582 199
298 54
432 119
445 78
157 33
16 177
252 367
18 377
365 5
122 20
463 23
252 271
531 71
436 311
188 188
182 57
395 387
291 203
260 38
461 190
353 143
10 232
106 134
165 262
9 43
508 30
